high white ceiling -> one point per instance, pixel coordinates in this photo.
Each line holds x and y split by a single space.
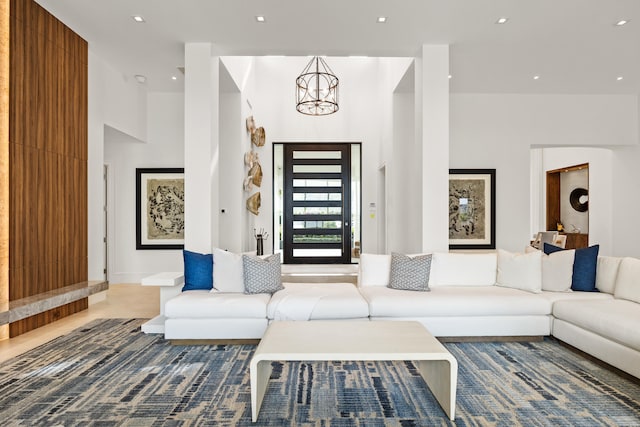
573 45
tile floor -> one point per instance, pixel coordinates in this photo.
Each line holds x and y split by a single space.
122 301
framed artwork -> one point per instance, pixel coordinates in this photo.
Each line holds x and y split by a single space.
472 208
160 208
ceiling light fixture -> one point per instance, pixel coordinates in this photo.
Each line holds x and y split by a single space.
450 76
536 77
260 19
381 19
317 89
502 20
619 78
138 18
174 78
621 22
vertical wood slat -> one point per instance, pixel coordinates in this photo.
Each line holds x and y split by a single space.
5 103
48 158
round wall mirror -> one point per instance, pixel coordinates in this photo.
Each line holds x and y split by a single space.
579 199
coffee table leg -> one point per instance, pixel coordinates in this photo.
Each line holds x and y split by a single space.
442 378
259 372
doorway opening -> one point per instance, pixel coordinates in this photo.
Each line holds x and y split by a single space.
317 202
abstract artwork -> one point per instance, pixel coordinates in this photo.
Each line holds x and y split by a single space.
472 213
160 208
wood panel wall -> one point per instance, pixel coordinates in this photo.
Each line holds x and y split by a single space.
47 158
4 162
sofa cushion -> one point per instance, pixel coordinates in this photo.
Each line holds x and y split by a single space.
317 301
606 273
217 305
374 270
454 301
410 273
557 271
614 319
520 271
228 274
573 296
458 269
262 275
198 271
628 281
584 267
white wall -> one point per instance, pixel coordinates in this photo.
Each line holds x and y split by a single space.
626 176
601 200
95 162
123 154
271 93
122 104
232 134
498 130
404 200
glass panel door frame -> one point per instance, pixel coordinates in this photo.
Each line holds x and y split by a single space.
317 204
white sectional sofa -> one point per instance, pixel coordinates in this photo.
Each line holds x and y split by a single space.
469 295
607 329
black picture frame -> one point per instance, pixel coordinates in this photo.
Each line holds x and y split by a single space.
472 223
165 208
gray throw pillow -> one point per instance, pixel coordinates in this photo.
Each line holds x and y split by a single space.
262 276
410 274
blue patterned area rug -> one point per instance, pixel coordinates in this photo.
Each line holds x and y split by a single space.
110 374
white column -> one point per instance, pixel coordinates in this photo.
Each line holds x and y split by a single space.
433 74
538 190
95 170
201 93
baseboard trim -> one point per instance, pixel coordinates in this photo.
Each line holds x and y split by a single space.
216 342
518 338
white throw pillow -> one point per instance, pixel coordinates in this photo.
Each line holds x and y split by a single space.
228 273
374 270
628 281
520 271
456 269
606 273
557 271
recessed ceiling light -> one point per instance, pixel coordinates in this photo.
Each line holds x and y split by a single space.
140 78
619 78
502 20
536 77
381 19
450 76
174 78
621 22
138 18
260 18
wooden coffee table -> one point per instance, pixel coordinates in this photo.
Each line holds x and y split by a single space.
355 341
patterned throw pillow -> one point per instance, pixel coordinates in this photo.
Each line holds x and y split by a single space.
410 274
262 276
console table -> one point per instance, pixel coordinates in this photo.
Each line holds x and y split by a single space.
170 284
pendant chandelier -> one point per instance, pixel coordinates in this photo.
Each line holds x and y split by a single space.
317 89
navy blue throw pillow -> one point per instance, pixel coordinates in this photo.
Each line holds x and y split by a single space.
584 267
198 271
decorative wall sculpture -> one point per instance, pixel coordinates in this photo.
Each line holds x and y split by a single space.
252 161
